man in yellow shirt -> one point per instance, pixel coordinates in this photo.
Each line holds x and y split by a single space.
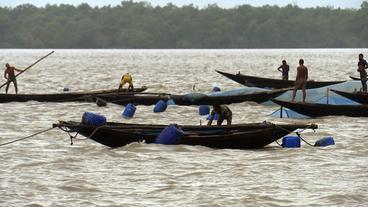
126 78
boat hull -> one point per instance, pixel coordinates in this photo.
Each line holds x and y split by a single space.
88 96
317 110
185 100
354 78
358 97
253 81
243 136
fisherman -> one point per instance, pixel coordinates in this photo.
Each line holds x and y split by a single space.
362 65
284 69
126 78
9 75
301 80
223 112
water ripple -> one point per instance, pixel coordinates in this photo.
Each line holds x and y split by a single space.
46 170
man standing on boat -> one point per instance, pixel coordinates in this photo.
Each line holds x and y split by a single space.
126 78
9 75
223 112
301 80
284 69
362 65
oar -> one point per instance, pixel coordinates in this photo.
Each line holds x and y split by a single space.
29 67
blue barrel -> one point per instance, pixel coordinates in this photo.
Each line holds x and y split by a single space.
204 110
170 135
89 118
160 106
216 89
325 141
170 102
290 142
129 110
215 117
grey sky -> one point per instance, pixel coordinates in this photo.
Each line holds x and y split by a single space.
202 3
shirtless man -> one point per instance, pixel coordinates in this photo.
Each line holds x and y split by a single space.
362 65
301 80
9 75
284 69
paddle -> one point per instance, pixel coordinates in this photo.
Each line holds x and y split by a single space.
29 67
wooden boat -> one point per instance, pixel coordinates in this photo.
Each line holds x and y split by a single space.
354 78
317 110
254 81
88 96
196 98
358 97
238 136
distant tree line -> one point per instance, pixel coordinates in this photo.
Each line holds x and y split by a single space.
140 25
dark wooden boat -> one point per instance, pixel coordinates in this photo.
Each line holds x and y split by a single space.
354 78
238 136
88 96
196 99
317 110
358 97
254 81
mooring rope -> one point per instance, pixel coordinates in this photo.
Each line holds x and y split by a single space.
297 134
278 143
69 132
95 131
23 138
77 132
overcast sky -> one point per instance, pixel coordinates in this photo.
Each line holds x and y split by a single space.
200 3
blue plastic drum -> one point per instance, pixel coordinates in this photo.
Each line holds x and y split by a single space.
325 141
129 110
160 106
170 135
204 110
291 142
89 118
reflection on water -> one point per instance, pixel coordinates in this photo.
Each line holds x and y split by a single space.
46 170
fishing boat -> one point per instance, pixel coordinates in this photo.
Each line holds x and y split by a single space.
254 81
358 97
237 136
195 98
317 109
354 78
85 96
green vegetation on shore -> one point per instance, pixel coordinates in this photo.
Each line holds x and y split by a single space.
140 25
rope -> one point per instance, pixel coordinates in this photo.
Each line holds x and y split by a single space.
77 132
297 134
23 138
278 143
95 131
69 132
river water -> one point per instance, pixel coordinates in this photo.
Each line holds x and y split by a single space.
45 170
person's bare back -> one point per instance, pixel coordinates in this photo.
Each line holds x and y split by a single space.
301 80
302 74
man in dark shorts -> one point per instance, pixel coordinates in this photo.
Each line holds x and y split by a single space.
284 69
9 75
223 113
362 65
301 80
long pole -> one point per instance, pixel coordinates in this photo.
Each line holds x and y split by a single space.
29 67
